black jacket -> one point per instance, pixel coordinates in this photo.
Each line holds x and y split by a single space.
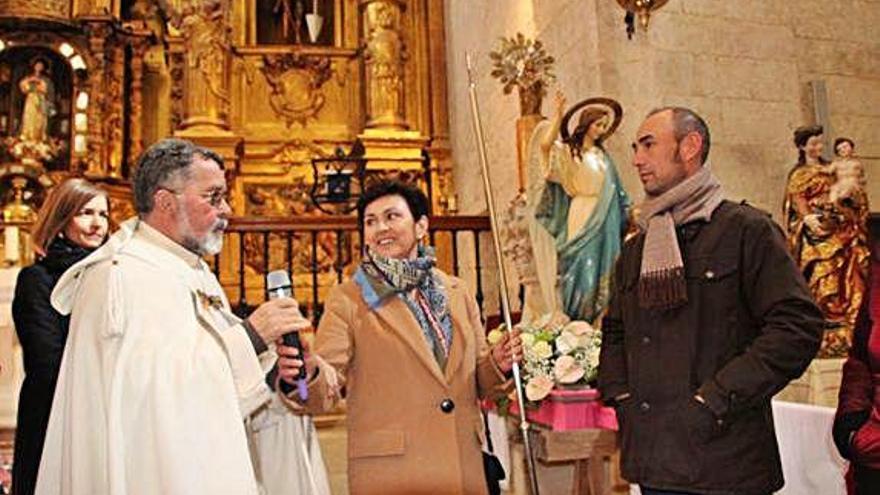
748 328
42 332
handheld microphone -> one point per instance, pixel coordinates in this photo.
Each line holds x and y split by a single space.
278 286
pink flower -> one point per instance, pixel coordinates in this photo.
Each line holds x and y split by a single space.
567 370
538 387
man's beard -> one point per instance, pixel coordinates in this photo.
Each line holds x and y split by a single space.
210 244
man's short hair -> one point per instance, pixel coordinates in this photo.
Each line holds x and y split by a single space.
163 163
684 122
414 197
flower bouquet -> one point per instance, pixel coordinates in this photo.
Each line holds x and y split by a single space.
560 360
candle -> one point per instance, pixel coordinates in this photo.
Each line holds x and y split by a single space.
10 249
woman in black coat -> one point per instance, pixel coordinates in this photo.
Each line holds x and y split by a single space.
72 223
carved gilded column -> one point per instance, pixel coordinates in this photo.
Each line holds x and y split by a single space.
206 38
440 149
139 48
176 70
114 112
384 57
98 34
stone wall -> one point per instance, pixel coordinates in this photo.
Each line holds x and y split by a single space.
745 66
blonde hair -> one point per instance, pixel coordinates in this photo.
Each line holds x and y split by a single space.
63 203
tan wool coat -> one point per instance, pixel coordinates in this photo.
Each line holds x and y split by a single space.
402 437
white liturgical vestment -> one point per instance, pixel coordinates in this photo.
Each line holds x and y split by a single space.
156 379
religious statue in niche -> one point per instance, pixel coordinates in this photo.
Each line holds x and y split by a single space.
206 36
384 57
39 104
35 100
282 22
826 212
583 207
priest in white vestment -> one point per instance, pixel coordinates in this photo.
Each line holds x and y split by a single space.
158 375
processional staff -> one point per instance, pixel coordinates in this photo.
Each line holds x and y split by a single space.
502 273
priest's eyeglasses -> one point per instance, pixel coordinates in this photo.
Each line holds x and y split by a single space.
216 197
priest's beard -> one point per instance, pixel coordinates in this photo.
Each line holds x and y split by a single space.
210 244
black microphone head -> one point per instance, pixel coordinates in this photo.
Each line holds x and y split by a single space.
277 279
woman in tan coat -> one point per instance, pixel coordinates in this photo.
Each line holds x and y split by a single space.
407 343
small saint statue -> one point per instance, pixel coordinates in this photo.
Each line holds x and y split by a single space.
39 96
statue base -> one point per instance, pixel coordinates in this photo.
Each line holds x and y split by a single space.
393 149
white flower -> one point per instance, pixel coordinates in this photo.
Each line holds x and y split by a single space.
567 370
538 387
527 339
542 350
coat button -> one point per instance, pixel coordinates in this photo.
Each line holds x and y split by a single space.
710 274
646 340
645 407
447 406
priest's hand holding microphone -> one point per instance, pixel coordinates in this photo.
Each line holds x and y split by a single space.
272 321
294 365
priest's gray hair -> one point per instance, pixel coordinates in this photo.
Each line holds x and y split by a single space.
166 165
684 122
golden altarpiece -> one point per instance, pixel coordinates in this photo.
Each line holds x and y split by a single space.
278 87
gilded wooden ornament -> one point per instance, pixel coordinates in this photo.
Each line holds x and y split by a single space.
36 8
98 35
139 50
177 62
296 82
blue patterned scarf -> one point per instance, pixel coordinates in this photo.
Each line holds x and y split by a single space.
380 278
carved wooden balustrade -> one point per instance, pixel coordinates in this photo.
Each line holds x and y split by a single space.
320 252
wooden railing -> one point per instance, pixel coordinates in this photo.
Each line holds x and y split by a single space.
320 252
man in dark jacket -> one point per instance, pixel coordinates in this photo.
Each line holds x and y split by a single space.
709 318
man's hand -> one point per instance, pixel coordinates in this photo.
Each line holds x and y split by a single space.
290 361
507 350
276 317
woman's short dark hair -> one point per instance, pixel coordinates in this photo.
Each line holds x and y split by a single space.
414 197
